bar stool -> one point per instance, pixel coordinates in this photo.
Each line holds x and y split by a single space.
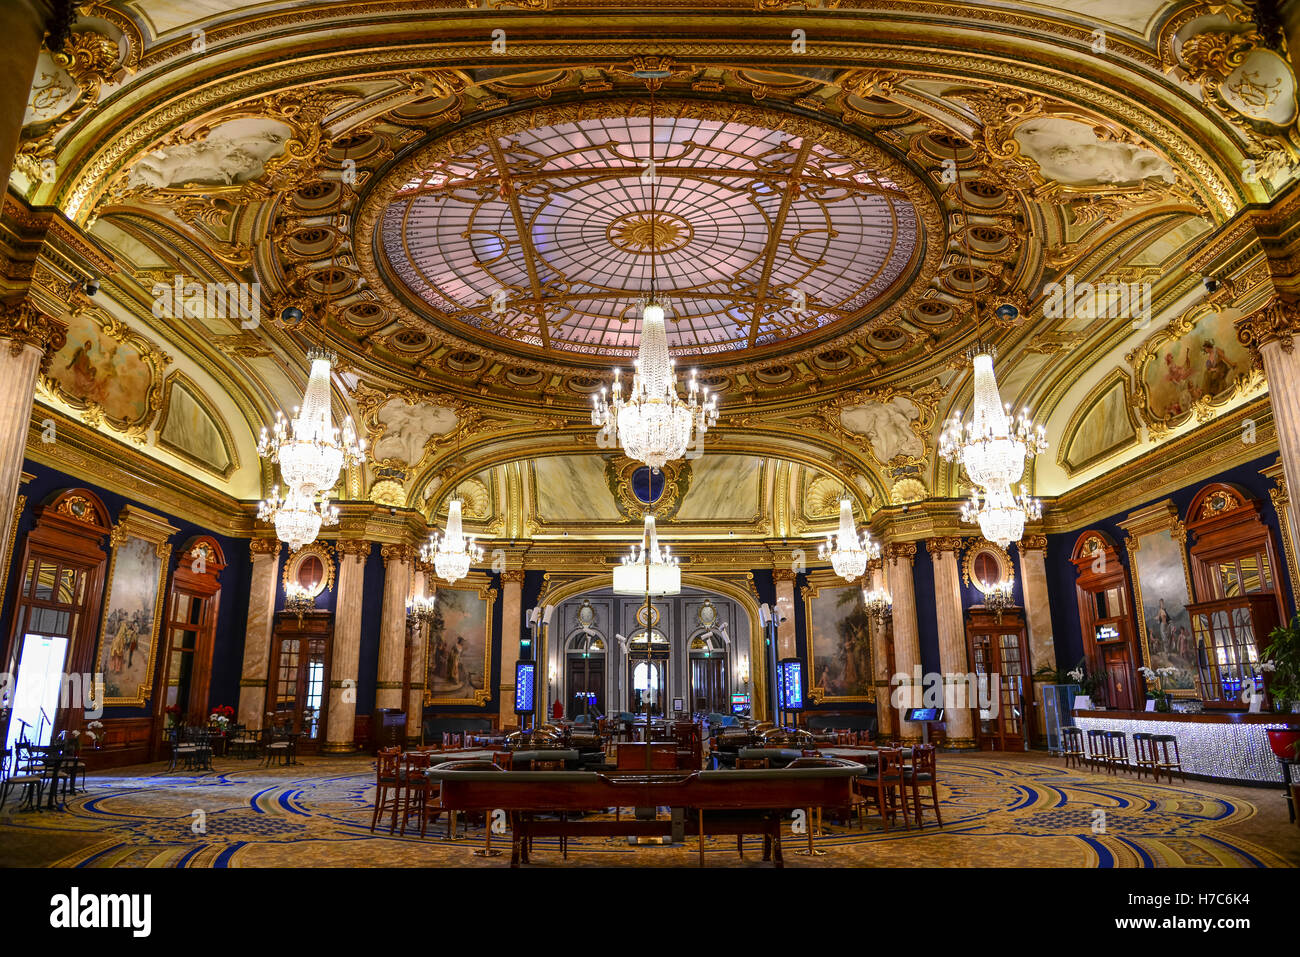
1164 763
1097 747
1144 753
1072 746
1116 751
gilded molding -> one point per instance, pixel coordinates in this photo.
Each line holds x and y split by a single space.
401 553
1032 543
904 551
944 544
1279 322
514 576
263 546
357 548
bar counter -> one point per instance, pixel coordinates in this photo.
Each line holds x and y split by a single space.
1220 745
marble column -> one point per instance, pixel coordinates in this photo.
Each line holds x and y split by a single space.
1038 616
22 24
512 622
907 635
416 635
398 560
952 642
346 653
785 640
28 341
262 586
880 660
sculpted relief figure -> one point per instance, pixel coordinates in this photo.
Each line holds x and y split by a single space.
1070 153
408 428
888 426
234 153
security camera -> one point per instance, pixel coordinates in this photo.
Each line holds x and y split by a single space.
906 507
291 315
392 510
1211 284
90 287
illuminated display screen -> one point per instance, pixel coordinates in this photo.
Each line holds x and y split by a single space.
1107 633
524 675
923 714
739 703
790 684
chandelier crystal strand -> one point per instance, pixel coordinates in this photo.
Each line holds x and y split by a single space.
664 574
297 517
310 450
992 447
452 554
1001 514
848 552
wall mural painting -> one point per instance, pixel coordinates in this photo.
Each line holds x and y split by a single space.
190 428
133 606
1192 366
458 649
1162 589
1102 425
839 644
108 372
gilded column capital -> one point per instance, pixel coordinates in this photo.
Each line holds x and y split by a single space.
25 325
402 554
514 576
263 546
1279 321
358 547
875 564
943 545
1032 543
783 574
901 550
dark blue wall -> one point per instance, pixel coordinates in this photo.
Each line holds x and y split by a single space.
232 612
927 616
1061 573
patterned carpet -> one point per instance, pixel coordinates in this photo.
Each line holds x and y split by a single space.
1008 810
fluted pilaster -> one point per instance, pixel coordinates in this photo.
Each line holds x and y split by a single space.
265 554
785 640
880 656
416 636
345 657
1038 612
952 638
1271 331
398 561
512 590
907 635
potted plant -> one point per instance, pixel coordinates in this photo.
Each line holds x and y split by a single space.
1280 662
1089 683
173 713
1157 678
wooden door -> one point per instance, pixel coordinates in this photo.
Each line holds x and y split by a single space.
1119 683
708 685
586 677
999 656
297 695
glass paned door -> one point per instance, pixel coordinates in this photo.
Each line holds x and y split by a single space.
299 691
648 687
36 696
998 660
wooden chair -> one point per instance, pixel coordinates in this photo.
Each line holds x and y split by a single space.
388 767
1164 762
418 792
920 773
1116 751
885 786
1072 746
1097 748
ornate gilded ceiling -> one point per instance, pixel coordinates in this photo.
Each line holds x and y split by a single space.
455 198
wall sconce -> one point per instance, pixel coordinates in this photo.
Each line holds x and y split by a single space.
550 673
744 671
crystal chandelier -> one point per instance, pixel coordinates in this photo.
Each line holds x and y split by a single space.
452 553
653 424
878 604
993 446
648 569
298 600
297 517
310 450
999 598
848 553
1001 514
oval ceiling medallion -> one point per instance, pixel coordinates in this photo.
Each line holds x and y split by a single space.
544 238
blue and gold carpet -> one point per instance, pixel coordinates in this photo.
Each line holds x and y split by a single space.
1004 810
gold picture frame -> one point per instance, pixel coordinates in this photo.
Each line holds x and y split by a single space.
983 547
140 548
817 616
1154 576
455 603
295 561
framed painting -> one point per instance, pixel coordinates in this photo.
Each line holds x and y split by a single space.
840 665
458 650
133 603
1162 588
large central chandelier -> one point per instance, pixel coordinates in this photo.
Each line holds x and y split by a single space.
653 424
648 569
847 552
1001 513
298 517
452 553
994 445
310 450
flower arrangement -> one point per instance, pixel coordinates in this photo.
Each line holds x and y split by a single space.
221 716
1089 683
173 713
1157 678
